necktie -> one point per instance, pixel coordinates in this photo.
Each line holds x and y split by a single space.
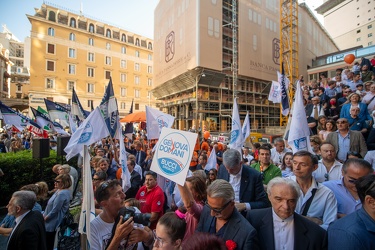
316 114
138 156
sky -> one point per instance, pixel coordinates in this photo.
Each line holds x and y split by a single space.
132 15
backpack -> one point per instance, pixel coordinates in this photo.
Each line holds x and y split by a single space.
68 236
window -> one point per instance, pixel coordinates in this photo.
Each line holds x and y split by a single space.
90 103
91 42
72 69
137 54
358 31
123 38
50 65
19 88
123 64
52 16
137 42
149 46
136 67
149 57
108 46
51 31
136 80
369 43
149 69
72 23
90 72
51 48
72 37
123 105
369 26
123 92
90 88
108 60
108 33
91 57
69 101
50 83
123 50
149 82
358 39
72 53
107 74
91 28
136 93
369 35
123 77
71 85
136 106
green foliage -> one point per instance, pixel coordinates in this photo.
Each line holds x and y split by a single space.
21 169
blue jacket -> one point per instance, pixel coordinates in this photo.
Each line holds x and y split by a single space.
354 231
56 209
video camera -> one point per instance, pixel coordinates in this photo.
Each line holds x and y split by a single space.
138 218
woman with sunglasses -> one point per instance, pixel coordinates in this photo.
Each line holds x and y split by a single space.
57 207
169 232
212 175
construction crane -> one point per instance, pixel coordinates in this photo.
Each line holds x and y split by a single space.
289 46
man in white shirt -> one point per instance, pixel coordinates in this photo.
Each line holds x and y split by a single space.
247 156
317 202
369 98
280 227
278 152
328 167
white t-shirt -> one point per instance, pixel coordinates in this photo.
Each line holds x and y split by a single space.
101 233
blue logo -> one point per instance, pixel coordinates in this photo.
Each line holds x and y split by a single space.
173 153
86 134
300 144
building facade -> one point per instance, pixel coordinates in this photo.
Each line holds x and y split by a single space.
351 23
70 50
202 62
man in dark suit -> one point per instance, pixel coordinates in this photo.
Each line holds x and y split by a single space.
280 225
220 217
135 180
29 232
246 182
140 155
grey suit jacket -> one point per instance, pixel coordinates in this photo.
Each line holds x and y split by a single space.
307 234
357 142
238 229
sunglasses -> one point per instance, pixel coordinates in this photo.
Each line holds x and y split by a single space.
216 210
326 176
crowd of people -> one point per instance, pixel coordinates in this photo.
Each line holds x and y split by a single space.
264 197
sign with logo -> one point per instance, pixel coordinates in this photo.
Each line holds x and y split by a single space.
173 154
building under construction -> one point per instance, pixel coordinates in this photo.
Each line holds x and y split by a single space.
209 52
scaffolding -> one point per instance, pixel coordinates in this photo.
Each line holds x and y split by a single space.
289 46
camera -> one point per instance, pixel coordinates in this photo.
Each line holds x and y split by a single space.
138 218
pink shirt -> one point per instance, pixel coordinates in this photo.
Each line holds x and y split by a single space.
192 219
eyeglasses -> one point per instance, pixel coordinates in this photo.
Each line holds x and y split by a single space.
371 187
220 210
355 153
326 175
352 181
157 239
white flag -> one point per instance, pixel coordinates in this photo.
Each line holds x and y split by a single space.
88 206
275 92
211 162
125 175
155 121
236 140
90 131
246 128
299 133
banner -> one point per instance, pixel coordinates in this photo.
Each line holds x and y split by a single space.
155 121
109 110
77 108
236 140
90 131
16 119
211 162
125 175
275 92
57 113
246 128
284 83
173 154
299 132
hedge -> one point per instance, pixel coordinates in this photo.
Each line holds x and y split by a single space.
21 169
